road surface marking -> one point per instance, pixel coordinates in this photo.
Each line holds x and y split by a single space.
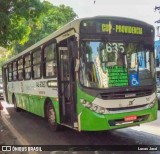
13 130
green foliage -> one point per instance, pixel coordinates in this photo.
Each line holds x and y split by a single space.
14 16
50 19
24 22
4 55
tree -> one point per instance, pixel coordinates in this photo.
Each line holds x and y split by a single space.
14 16
24 22
50 19
4 55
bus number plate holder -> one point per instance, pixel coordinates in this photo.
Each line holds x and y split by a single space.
130 118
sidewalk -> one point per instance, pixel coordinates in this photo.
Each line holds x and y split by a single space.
6 137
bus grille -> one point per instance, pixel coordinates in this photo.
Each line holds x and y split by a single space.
126 94
126 108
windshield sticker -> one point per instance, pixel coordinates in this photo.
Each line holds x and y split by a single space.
134 80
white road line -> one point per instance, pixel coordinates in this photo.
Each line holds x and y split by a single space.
14 131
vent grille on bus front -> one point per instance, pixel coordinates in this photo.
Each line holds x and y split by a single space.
126 94
126 108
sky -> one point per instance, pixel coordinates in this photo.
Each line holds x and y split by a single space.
137 9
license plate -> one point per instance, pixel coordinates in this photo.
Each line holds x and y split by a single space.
130 118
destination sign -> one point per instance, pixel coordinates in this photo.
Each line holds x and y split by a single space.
121 29
117 27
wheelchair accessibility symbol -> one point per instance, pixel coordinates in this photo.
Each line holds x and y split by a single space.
134 81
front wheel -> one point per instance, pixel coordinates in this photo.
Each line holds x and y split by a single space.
51 117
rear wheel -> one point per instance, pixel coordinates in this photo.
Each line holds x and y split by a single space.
51 117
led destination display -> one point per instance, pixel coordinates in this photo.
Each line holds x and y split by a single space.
116 27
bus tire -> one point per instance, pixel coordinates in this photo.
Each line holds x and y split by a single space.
17 109
51 117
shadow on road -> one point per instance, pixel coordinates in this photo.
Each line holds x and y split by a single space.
36 131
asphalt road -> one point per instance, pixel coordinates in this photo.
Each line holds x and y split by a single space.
33 130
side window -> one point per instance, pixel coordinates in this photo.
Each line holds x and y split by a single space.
15 71
10 72
20 69
27 67
50 62
37 64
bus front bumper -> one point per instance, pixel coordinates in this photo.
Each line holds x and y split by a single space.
91 121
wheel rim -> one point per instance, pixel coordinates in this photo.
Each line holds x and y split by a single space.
51 116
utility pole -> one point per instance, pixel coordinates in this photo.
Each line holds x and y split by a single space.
157 8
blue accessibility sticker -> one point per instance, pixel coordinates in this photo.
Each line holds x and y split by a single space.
134 79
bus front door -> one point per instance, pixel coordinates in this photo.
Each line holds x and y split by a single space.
65 85
5 84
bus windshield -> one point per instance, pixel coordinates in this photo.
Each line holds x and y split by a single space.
115 64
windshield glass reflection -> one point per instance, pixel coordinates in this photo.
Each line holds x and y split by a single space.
114 64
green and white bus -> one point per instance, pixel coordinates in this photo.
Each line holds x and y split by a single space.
93 74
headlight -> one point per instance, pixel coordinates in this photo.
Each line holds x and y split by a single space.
86 103
83 101
150 105
102 110
94 107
